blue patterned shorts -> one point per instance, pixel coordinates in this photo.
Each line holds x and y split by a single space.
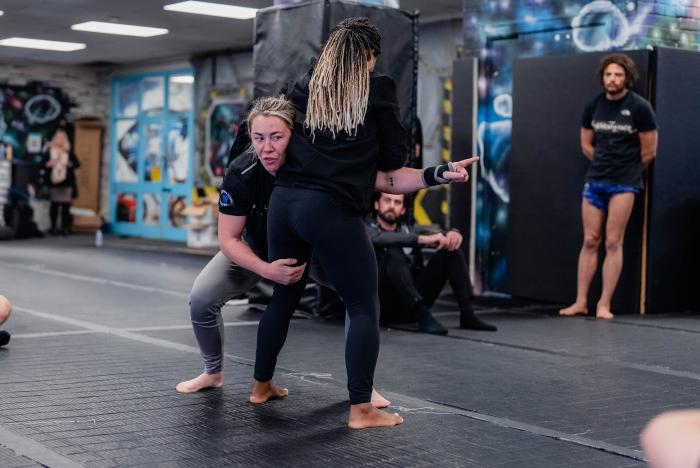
599 194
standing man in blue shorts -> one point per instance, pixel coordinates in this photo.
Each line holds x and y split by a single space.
619 135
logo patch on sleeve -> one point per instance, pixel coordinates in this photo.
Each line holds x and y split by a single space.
225 199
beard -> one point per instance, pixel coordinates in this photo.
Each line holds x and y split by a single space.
614 89
388 217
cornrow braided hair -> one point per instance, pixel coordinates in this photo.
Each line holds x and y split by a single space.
339 84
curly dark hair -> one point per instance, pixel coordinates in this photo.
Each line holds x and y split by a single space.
623 60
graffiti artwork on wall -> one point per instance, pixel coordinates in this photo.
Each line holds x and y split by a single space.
177 151
127 151
30 116
500 32
223 118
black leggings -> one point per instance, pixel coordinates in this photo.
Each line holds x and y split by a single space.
300 220
64 208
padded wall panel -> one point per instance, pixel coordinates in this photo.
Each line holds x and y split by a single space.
546 176
674 222
463 74
288 38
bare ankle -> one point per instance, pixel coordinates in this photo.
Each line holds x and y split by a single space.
576 308
603 312
378 401
262 392
363 408
364 415
201 382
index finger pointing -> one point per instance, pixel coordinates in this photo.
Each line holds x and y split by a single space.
465 162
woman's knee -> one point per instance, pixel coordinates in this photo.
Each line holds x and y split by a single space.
204 304
366 322
365 308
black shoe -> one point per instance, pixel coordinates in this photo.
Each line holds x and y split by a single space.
4 338
429 324
472 322
53 232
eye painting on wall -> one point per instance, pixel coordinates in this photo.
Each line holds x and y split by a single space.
501 31
31 114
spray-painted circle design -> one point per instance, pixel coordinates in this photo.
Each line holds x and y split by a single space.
42 108
503 105
596 12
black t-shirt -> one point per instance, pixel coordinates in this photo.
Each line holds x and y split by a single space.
246 192
346 166
617 158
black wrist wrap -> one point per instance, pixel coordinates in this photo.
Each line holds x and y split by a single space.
433 175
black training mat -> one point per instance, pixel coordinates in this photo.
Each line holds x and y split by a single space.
546 176
674 222
88 378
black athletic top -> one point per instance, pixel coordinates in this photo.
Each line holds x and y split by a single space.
346 166
246 192
617 158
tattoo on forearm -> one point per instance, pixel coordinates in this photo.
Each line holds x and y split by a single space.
391 181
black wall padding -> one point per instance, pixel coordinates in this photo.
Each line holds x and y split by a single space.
674 223
462 145
288 38
546 176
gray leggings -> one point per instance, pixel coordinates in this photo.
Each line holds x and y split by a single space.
220 281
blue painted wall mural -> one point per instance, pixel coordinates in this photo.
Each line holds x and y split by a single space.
500 31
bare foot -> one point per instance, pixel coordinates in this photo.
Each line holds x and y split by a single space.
5 308
201 382
266 391
603 313
574 309
364 415
379 401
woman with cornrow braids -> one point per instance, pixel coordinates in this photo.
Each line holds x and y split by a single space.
346 129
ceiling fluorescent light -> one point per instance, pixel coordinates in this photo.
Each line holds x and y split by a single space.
212 9
116 28
41 44
184 79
